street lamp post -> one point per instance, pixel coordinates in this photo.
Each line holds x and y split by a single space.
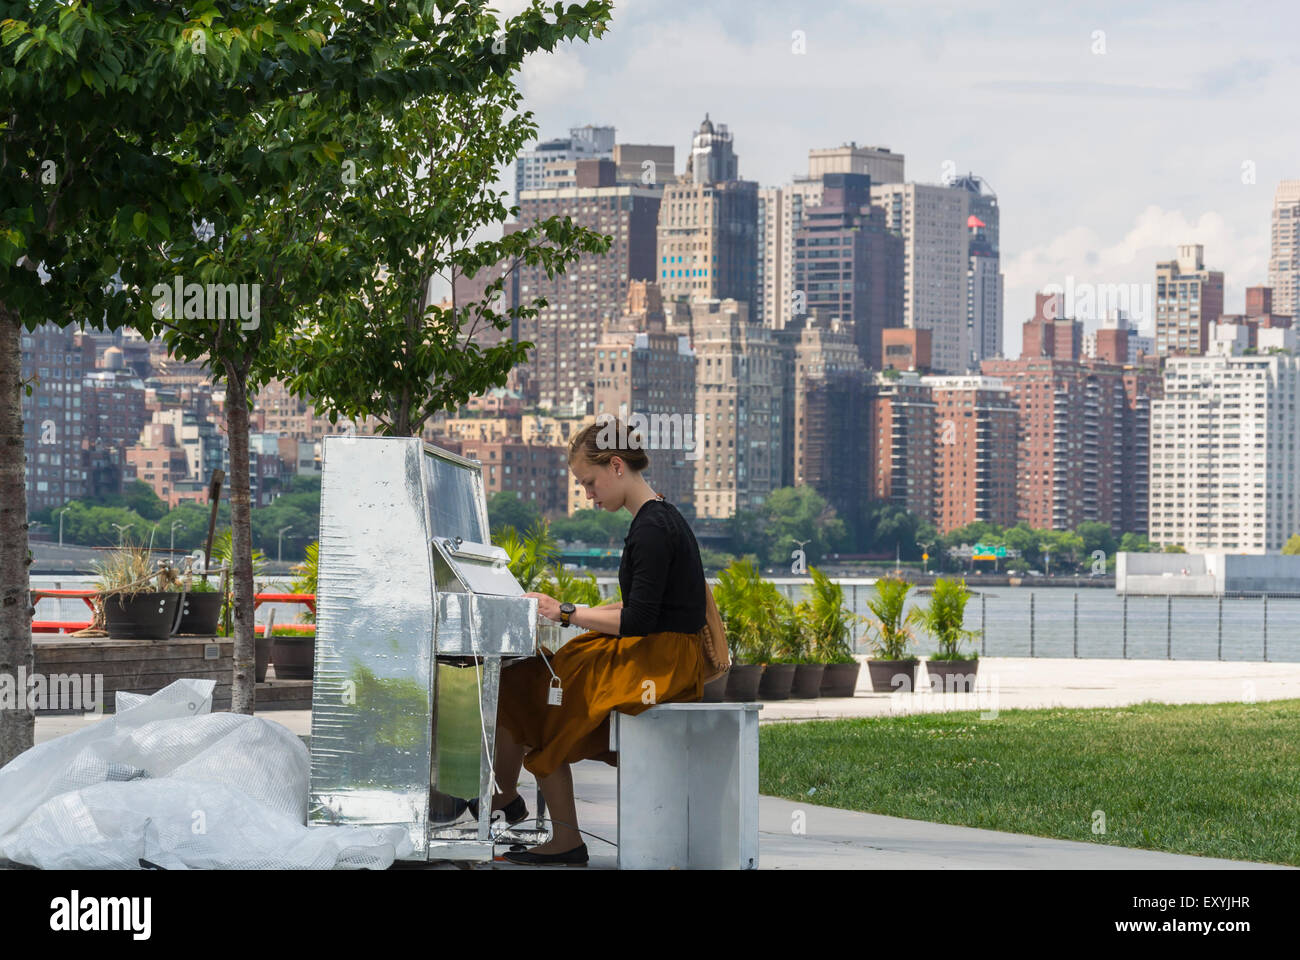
61 513
121 529
171 547
279 543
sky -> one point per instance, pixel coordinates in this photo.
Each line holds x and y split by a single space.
1111 132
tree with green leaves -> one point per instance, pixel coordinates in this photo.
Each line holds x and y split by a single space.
1292 546
506 509
1096 536
800 515
422 198
124 125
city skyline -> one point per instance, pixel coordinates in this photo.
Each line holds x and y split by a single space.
1164 183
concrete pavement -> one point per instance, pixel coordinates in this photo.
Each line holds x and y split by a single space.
845 839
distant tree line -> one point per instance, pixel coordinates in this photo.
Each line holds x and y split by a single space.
800 517
142 513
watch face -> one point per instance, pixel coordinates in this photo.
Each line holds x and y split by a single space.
567 608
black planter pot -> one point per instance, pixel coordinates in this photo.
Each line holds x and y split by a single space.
840 679
716 690
777 680
807 681
200 614
742 682
952 676
262 656
145 616
892 676
294 657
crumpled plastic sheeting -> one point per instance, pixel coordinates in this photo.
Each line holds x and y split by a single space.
167 782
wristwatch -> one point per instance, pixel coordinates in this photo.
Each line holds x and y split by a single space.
566 611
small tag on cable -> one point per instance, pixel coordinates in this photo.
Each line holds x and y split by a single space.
555 694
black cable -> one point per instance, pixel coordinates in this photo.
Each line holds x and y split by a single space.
575 827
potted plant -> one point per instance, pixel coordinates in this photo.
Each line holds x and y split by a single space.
736 597
949 668
831 623
200 604
136 598
810 668
788 643
890 667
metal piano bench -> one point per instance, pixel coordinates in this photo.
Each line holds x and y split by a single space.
687 786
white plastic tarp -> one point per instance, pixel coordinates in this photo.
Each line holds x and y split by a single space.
165 782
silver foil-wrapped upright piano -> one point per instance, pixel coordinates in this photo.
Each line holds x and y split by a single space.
416 611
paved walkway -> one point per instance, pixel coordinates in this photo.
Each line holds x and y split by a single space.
845 839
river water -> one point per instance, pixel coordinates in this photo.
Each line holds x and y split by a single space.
1017 621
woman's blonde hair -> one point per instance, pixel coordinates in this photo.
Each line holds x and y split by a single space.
607 438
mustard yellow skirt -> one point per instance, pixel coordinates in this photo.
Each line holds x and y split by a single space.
598 674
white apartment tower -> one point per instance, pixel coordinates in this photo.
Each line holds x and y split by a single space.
1224 470
1284 259
780 215
936 248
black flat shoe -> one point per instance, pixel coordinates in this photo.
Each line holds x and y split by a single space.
577 857
514 811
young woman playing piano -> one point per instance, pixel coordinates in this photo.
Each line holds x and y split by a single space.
636 653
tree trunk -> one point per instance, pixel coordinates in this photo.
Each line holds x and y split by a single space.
17 725
244 690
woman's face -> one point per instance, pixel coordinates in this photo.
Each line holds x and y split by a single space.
602 484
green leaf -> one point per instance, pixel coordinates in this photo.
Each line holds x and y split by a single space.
141 224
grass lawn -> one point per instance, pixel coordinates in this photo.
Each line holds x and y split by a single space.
1220 780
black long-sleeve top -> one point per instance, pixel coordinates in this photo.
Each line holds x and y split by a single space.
661 575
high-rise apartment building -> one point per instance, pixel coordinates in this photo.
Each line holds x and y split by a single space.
903 428
848 266
646 371
738 395
936 259
708 241
712 158
984 271
826 443
879 163
56 361
1224 467
780 215
1188 299
551 156
645 163
1284 255
975 422
566 331
1079 424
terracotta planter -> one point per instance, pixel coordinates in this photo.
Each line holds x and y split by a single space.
742 682
146 616
807 681
892 676
294 657
716 691
200 614
952 676
777 680
840 679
